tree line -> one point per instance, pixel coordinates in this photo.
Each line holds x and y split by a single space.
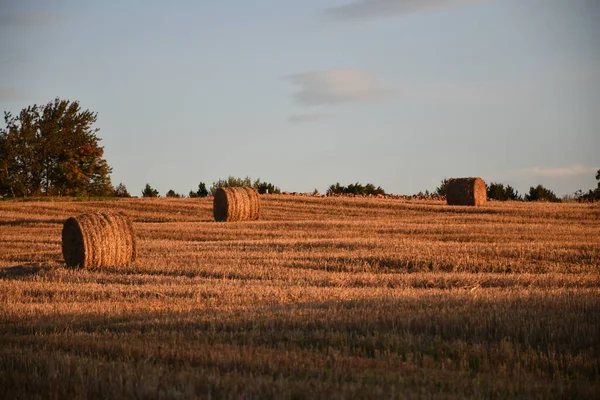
54 150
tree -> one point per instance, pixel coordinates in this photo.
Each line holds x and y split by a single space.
443 188
172 193
52 149
121 191
149 191
540 193
265 187
498 191
201 192
231 181
355 188
592 195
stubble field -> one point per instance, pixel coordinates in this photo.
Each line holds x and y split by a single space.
321 298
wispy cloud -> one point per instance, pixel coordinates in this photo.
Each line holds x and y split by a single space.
302 118
335 86
572 170
10 94
29 18
370 9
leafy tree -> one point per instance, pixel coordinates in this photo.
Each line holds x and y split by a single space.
121 191
443 188
335 189
201 192
52 149
149 191
172 193
264 187
355 188
231 181
591 195
540 193
498 191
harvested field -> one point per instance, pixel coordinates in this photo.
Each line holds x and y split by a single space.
321 298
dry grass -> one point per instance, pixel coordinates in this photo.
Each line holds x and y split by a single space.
325 298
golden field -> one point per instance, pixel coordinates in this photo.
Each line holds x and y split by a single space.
321 298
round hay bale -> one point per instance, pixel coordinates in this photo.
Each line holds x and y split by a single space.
466 192
232 204
98 239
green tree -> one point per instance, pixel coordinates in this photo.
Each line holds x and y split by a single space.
335 189
172 193
443 188
498 191
592 195
231 181
201 192
355 188
265 187
540 193
52 149
149 191
121 191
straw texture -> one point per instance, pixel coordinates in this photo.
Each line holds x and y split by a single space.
466 192
232 204
98 239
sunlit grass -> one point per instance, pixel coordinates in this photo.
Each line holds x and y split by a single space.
323 297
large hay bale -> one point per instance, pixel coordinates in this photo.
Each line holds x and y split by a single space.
98 239
232 204
466 192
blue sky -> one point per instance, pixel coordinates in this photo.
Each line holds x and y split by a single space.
303 94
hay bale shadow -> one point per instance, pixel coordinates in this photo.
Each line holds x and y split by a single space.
30 221
20 271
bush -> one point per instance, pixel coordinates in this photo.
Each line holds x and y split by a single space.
121 191
149 191
540 193
201 192
592 195
264 187
172 193
355 188
443 188
498 191
231 181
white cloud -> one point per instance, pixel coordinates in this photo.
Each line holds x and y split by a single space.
301 118
369 9
335 86
572 170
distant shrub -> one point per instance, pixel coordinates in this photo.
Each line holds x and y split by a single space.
442 190
201 192
592 195
149 191
172 193
264 187
231 181
498 191
540 193
121 191
355 188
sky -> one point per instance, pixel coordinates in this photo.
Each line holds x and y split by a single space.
307 93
